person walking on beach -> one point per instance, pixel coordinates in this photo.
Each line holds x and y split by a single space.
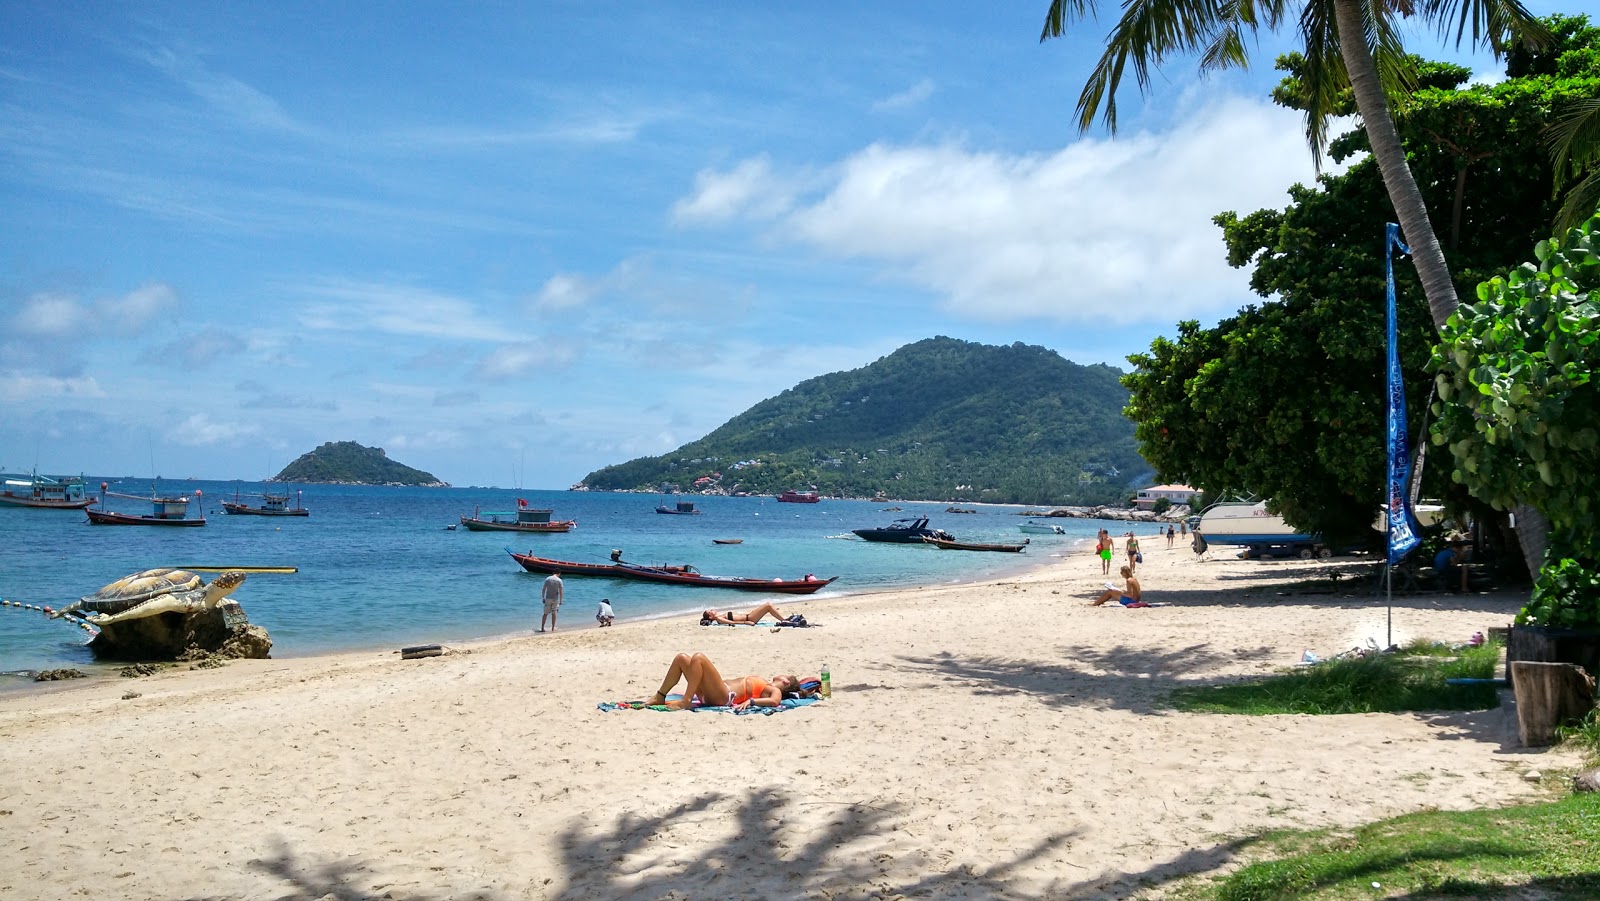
1103 548
552 593
1133 551
1129 596
1172 534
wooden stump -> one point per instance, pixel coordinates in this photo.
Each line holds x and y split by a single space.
1549 695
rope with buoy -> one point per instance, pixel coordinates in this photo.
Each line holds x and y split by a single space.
50 612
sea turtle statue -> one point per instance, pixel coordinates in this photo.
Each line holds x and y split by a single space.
130 616
152 592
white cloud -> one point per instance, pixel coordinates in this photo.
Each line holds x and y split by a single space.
564 292
750 190
1100 231
910 97
53 315
199 430
22 387
1487 79
399 310
513 360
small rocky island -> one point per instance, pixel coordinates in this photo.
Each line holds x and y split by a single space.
348 463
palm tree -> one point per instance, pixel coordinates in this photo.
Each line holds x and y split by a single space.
1348 44
1575 142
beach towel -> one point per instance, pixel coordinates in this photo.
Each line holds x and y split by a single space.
786 704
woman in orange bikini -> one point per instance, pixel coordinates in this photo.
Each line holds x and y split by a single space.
705 687
730 618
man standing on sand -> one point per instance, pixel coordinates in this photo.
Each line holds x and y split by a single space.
552 593
1103 549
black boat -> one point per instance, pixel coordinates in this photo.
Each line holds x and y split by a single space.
905 531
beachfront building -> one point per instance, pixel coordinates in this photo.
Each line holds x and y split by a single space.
1177 494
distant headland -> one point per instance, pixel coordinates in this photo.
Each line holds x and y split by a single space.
348 463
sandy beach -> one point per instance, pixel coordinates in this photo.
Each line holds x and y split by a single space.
998 740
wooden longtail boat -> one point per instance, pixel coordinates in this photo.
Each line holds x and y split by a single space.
271 505
948 545
166 511
799 497
677 575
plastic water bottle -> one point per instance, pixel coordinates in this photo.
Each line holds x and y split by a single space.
827 684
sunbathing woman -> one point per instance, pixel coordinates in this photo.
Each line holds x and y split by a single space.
705 687
738 619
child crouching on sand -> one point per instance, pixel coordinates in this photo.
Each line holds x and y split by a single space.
1130 596
604 616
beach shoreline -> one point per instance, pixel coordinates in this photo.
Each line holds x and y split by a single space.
1001 738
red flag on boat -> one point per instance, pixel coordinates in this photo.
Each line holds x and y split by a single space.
521 502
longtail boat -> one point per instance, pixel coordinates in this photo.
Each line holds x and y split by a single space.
525 519
677 575
64 493
949 545
166 511
271 505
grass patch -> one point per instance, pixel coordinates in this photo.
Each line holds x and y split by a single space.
1552 849
1586 735
1412 678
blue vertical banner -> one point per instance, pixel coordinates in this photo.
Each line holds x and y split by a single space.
1402 524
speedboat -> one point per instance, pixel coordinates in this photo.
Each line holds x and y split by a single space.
904 531
1035 527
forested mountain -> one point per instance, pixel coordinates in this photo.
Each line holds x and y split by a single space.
348 463
940 419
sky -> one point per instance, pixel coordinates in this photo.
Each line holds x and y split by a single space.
511 243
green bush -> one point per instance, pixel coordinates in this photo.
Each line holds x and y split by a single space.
1566 595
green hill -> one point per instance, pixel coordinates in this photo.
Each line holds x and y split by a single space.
348 463
940 419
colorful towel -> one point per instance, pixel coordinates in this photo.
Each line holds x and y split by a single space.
786 704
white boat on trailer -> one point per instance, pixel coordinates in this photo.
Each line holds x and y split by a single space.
1247 524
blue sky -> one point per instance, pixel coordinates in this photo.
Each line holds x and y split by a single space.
513 243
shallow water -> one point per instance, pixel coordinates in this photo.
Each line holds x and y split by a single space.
379 569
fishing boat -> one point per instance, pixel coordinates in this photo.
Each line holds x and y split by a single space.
799 497
1035 527
165 511
948 545
727 541
271 505
904 531
524 519
63 493
681 508
676 575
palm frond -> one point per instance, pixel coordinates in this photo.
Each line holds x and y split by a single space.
1582 202
1323 78
1063 13
1575 139
1148 32
1490 22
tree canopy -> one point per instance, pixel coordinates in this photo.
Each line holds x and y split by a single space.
1286 398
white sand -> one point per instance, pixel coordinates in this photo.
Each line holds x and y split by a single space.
995 740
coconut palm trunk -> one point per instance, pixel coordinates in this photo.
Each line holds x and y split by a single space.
1404 194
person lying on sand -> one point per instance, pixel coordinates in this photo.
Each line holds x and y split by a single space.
738 619
1129 596
705 687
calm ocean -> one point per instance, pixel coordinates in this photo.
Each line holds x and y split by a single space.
378 568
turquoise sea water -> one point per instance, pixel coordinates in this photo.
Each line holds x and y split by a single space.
378 569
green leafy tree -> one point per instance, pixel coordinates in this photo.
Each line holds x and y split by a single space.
1314 441
1520 411
1350 45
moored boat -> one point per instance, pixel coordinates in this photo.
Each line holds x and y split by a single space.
948 545
904 531
44 492
677 575
271 505
681 508
165 511
799 497
524 519
1035 527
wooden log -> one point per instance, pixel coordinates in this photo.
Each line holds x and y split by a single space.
421 650
1549 695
